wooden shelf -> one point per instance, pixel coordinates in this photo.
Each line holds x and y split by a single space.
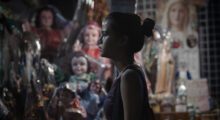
172 116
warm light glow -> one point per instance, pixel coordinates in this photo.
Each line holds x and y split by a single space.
156 35
51 70
38 44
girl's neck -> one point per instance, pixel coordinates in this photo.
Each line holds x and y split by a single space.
123 62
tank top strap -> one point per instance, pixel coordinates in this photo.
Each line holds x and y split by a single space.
132 66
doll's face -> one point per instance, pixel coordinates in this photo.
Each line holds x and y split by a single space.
46 18
91 36
66 98
93 87
79 65
177 14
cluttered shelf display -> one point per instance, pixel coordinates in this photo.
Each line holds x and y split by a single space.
186 116
176 95
171 60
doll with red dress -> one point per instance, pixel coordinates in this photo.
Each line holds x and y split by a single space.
46 28
90 36
50 36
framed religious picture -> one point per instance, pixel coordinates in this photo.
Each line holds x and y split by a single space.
179 17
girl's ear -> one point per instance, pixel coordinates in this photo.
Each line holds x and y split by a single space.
123 41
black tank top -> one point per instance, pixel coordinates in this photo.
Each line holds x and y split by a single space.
113 105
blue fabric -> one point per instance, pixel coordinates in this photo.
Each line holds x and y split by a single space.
188 75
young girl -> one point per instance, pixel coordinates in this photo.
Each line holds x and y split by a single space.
123 36
81 71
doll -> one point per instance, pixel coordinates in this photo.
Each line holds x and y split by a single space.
90 37
81 71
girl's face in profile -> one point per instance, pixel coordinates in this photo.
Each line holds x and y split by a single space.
108 41
177 13
79 65
46 18
91 36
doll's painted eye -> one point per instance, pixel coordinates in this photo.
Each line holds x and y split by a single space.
82 63
93 35
74 64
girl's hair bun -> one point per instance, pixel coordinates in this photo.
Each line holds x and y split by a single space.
148 26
